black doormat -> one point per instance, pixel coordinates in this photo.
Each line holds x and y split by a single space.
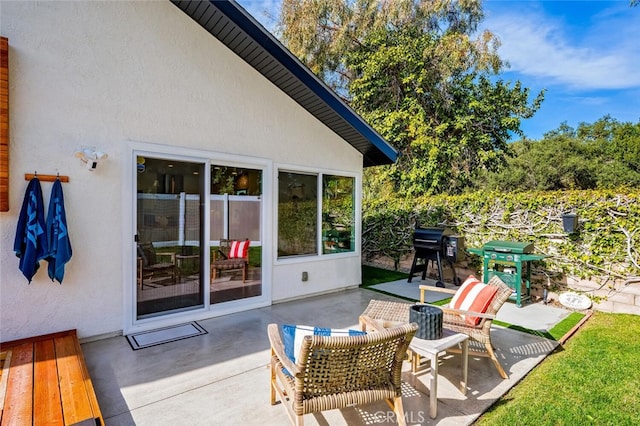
159 336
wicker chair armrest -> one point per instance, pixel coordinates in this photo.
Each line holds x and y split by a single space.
277 347
369 324
447 310
424 287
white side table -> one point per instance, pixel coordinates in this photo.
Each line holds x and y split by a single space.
433 348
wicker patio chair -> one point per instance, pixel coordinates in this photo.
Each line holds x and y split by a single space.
454 319
339 371
381 314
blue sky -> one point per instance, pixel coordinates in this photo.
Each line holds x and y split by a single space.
585 54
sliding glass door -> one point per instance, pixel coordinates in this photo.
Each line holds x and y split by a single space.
235 221
169 243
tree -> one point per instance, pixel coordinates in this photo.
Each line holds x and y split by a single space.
600 155
413 70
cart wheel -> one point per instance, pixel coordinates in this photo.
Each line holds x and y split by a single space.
456 281
439 284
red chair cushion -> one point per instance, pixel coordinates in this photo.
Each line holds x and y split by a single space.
239 249
473 296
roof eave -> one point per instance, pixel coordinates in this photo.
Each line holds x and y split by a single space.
311 92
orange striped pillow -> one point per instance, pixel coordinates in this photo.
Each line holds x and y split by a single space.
473 296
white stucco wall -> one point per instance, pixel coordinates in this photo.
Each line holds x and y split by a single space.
104 74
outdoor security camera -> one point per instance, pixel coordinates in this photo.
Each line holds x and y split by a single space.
92 164
90 157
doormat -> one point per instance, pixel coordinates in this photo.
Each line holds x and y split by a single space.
150 338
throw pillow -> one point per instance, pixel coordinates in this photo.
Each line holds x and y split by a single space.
293 335
239 249
473 296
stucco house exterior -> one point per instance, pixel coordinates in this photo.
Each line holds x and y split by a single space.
213 131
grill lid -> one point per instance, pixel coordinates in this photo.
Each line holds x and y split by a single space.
508 247
430 238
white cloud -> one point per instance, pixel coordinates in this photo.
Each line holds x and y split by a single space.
603 56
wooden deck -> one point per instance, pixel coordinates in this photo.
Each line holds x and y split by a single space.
45 381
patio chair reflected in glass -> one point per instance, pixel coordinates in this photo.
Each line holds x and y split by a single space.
152 264
232 255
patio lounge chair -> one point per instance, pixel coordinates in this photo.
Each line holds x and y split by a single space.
151 266
462 321
231 255
334 372
381 314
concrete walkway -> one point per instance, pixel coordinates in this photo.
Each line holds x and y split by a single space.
534 316
222 378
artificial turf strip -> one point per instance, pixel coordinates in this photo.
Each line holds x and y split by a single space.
372 276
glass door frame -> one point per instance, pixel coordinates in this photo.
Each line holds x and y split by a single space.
129 219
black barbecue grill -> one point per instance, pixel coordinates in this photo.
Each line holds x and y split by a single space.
434 245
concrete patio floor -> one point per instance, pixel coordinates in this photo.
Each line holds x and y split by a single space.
222 378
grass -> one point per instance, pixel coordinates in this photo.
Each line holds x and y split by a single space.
592 379
372 276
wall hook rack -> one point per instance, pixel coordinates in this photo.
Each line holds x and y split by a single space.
46 178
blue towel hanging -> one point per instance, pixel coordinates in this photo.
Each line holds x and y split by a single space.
57 234
30 244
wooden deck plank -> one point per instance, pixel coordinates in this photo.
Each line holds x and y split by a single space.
5 360
18 403
73 393
91 393
46 393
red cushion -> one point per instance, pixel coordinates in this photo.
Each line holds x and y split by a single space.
473 296
239 249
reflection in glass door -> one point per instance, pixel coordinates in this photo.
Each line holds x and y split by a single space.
235 224
169 240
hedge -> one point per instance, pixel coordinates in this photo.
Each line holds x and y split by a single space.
603 249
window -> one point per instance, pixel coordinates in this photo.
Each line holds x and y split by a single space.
298 223
338 214
297 214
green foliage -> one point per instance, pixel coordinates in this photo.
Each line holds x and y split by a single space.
604 154
604 248
445 135
297 227
422 76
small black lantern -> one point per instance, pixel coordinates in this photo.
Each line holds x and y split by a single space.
429 320
570 222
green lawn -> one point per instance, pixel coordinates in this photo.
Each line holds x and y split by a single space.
592 380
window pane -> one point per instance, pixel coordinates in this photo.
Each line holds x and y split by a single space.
338 214
169 247
244 217
236 214
297 214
